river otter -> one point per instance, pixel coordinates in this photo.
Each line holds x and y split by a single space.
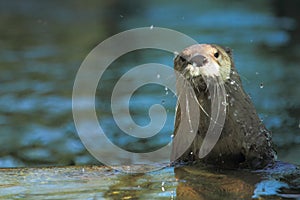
244 141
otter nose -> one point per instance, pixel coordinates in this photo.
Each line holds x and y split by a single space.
198 60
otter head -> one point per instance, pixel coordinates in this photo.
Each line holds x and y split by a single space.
204 62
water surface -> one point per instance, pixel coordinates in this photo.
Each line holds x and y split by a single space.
44 43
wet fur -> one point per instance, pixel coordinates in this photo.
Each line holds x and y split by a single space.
244 141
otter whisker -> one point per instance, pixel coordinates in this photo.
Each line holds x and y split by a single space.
188 111
214 101
185 71
198 103
216 92
194 83
183 94
218 99
222 94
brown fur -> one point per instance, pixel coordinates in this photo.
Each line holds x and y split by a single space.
244 142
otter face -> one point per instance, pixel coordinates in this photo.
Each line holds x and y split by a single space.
204 61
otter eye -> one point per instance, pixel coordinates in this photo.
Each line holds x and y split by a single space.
216 55
182 59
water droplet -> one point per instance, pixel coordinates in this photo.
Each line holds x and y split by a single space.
172 136
231 101
236 112
256 73
82 170
251 41
151 27
232 82
166 91
194 64
261 86
162 183
191 153
224 103
158 76
121 16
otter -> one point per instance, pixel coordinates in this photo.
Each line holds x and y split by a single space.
244 141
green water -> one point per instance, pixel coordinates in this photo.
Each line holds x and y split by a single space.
44 42
168 183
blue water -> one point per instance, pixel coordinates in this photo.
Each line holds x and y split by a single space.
44 43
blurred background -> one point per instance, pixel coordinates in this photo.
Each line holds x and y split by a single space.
44 42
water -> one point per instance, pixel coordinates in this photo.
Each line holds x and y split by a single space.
169 183
44 43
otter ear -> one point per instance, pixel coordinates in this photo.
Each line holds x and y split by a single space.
228 51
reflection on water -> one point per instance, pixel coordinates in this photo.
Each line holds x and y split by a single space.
195 183
202 182
43 44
